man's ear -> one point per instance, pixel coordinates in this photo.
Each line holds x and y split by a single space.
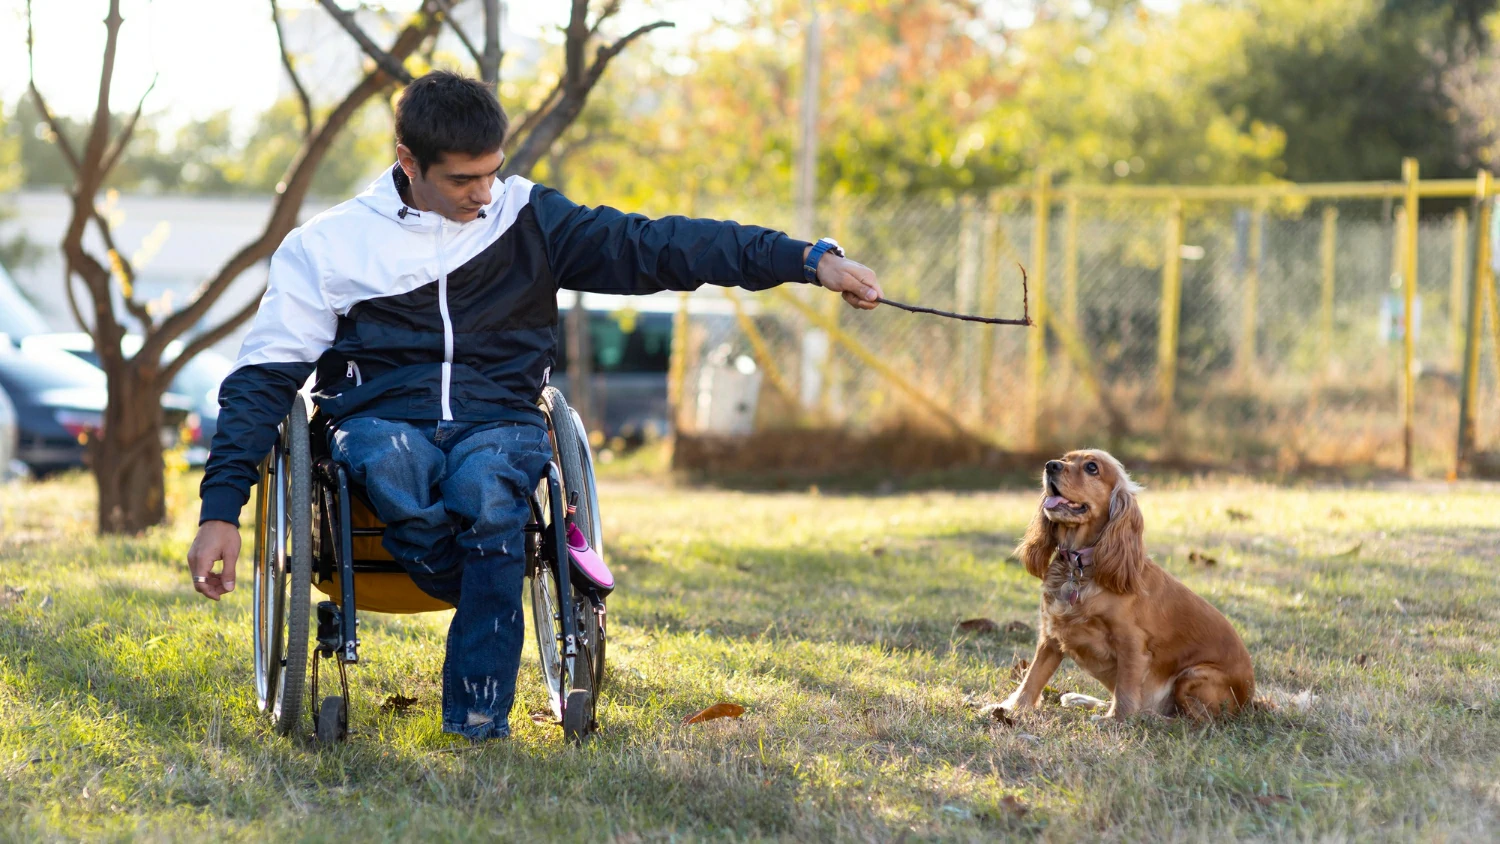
407 161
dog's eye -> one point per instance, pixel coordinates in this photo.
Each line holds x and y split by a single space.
1091 467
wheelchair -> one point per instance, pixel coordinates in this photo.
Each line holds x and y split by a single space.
315 530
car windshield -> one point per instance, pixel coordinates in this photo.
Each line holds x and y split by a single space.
35 370
17 316
201 377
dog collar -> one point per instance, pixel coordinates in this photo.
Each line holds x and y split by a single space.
1078 563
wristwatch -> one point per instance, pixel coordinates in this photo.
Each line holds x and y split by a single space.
810 266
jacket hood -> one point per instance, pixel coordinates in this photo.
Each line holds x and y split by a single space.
383 197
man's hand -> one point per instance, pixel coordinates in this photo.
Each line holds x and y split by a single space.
215 541
854 280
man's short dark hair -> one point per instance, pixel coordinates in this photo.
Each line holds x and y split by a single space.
444 112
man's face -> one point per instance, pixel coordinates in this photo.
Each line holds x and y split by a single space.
455 186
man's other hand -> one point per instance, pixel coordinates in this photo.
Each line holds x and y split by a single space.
215 541
854 280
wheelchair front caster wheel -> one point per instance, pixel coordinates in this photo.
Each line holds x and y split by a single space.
333 720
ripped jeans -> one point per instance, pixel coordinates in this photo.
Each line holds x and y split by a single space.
453 497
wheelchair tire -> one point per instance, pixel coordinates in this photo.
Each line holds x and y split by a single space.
283 579
333 720
578 717
575 459
570 444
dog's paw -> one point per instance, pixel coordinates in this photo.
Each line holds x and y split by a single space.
1074 700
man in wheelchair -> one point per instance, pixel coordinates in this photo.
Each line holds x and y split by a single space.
426 308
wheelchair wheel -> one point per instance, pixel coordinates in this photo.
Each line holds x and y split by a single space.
575 459
283 572
333 720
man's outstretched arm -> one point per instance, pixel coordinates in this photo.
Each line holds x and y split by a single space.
602 250
292 328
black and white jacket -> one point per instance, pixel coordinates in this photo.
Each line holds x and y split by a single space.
407 315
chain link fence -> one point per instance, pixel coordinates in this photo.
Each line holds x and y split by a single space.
1259 331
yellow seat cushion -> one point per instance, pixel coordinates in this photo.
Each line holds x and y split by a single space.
392 592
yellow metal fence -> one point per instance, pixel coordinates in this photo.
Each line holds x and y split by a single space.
1284 326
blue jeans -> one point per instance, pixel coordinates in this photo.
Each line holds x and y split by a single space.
453 497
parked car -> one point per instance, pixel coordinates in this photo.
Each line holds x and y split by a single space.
198 382
18 318
60 402
10 437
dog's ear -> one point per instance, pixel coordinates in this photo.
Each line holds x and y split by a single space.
1120 554
1038 545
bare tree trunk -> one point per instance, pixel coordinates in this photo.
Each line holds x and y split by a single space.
132 492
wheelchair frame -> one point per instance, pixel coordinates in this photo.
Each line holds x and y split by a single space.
305 535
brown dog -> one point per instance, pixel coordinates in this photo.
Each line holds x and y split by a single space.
1157 646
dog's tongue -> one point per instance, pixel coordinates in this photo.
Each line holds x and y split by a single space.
1052 501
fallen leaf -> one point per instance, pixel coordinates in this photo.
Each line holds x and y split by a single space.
1198 558
1029 738
545 719
979 625
1018 669
1272 799
1473 707
1018 627
1362 660
1352 552
718 710
397 703
995 712
1238 515
1014 805
878 551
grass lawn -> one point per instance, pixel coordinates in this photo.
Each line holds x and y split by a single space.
126 706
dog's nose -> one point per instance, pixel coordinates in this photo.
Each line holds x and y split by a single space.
1054 466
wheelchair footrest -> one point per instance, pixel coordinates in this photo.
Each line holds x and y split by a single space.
330 627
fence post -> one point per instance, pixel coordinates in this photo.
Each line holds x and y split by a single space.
1250 318
989 282
1457 272
1171 306
678 364
1036 341
1330 262
1411 177
1070 262
1468 397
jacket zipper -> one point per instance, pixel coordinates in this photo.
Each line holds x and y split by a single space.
447 323
352 371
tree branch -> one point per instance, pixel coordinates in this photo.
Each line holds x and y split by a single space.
606 54
209 338
383 60
298 181
610 9
452 22
117 147
127 293
489 63
41 104
546 124
521 129
291 73
73 303
578 39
